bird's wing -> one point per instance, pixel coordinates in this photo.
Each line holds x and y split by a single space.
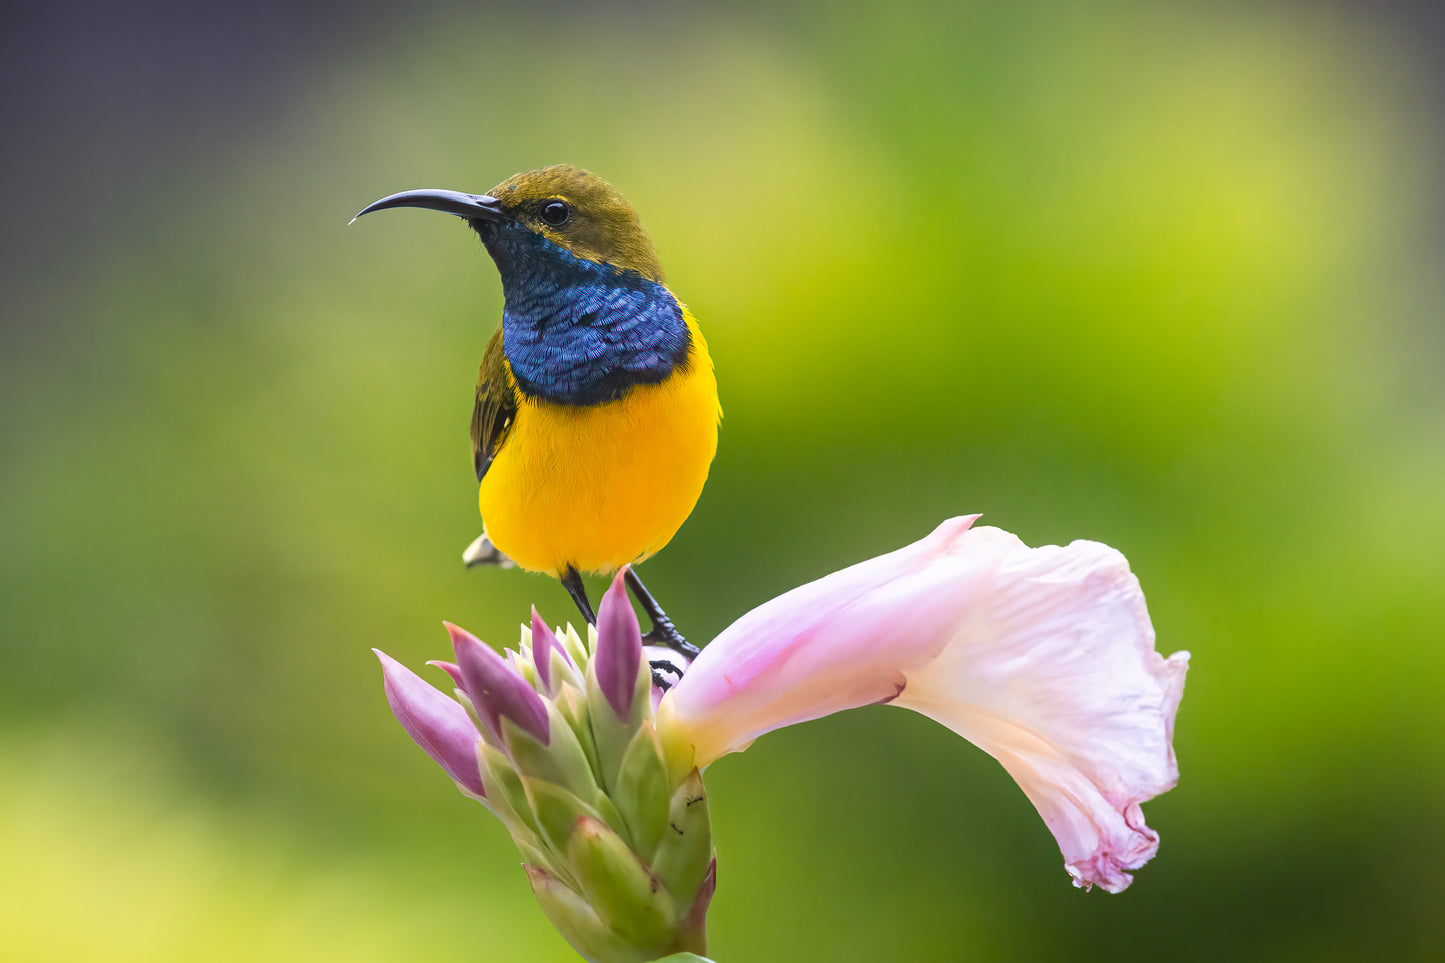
495 408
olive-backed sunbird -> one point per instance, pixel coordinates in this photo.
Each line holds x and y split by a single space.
596 410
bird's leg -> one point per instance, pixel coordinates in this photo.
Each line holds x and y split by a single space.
663 632
572 582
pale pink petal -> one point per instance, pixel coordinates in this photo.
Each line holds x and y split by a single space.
1053 672
1042 657
842 641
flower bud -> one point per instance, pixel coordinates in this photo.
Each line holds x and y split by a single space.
496 689
439 725
574 768
544 644
621 890
619 648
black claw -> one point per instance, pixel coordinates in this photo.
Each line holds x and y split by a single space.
663 632
572 582
665 674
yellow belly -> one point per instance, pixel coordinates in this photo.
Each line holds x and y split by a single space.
599 487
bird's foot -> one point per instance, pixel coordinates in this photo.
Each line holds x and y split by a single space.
663 632
483 552
666 673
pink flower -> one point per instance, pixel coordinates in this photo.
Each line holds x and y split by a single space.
1042 657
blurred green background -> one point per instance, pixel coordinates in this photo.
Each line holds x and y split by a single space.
1162 275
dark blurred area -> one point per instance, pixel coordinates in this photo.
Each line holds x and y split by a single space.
1162 275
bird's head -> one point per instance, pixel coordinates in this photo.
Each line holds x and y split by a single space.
568 207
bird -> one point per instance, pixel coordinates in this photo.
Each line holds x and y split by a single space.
596 415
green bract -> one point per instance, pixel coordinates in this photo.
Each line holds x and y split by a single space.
620 856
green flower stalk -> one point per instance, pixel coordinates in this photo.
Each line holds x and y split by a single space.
559 740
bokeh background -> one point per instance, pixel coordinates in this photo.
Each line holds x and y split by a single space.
1163 275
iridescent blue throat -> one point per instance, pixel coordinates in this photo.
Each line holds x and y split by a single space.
577 332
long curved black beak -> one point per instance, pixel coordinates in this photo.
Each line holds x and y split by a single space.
475 207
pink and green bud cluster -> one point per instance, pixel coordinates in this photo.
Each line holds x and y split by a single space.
559 740
1043 657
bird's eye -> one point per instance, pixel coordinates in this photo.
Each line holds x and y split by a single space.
555 213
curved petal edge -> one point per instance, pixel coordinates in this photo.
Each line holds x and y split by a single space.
1043 657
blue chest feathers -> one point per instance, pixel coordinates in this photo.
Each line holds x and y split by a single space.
577 332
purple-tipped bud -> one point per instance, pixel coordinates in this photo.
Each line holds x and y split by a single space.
450 668
435 722
496 689
619 648
543 642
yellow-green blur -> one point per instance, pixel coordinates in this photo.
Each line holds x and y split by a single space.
1164 275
